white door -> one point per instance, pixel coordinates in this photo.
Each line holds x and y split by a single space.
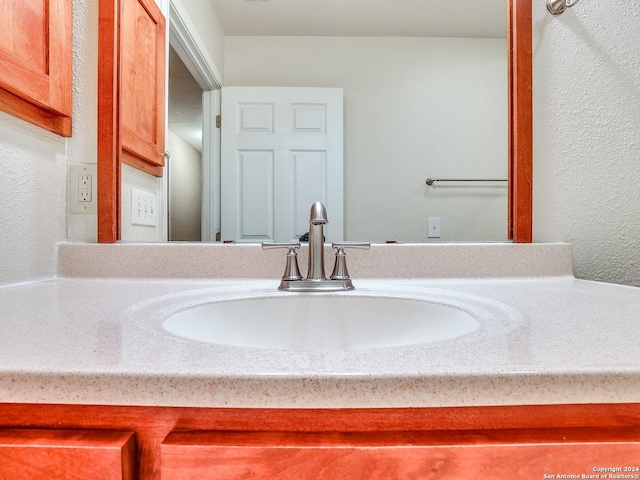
282 151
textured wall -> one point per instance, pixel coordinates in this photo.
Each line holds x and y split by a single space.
587 135
32 200
413 108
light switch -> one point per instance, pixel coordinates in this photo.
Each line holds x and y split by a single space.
434 227
144 208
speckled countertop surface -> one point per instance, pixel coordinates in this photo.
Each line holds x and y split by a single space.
542 340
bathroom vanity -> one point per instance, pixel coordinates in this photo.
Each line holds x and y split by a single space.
91 381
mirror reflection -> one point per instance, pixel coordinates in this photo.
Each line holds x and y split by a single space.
424 95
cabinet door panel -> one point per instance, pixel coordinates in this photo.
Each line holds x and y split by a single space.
142 30
446 456
35 62
66 454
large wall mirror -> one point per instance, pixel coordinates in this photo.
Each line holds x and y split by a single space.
430 90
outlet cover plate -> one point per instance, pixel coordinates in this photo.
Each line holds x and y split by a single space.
83 188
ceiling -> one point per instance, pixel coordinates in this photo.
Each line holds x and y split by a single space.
424 18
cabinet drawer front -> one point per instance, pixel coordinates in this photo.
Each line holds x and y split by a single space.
505 455
66 454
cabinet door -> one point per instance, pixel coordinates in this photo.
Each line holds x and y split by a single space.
35 62
500 455
66 454
131 86
142 83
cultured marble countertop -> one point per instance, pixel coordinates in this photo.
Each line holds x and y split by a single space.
544 337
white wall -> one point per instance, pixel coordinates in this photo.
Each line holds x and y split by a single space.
32 200
204 19
414 108
587 135
185 192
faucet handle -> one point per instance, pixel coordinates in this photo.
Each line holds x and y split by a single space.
272 245
340 245
291 271
340 271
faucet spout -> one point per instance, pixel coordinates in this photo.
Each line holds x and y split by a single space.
317 220
318 214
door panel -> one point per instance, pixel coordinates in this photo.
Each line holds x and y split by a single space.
256 205
301 128
310 180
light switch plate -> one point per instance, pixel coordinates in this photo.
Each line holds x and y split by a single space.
434 227
83 188
144 208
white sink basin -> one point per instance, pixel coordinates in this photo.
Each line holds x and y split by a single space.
321 323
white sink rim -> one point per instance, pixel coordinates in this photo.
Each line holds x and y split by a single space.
307 327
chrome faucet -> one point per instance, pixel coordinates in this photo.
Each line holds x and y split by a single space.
317 221
316 280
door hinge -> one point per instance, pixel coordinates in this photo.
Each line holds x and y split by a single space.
217 236
218 121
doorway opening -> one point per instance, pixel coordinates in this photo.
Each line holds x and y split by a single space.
184 142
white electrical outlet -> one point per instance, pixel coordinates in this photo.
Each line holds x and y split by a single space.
434 227
144 208
83 181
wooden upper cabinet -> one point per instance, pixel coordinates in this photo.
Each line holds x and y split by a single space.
142 81
35 62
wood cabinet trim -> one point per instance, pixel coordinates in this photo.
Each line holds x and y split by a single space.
179 439
520 100
108 143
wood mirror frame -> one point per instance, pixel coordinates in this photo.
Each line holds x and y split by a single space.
520 97
520 155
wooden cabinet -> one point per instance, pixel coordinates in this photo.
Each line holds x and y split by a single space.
32 454
504 442
35 62
496 454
